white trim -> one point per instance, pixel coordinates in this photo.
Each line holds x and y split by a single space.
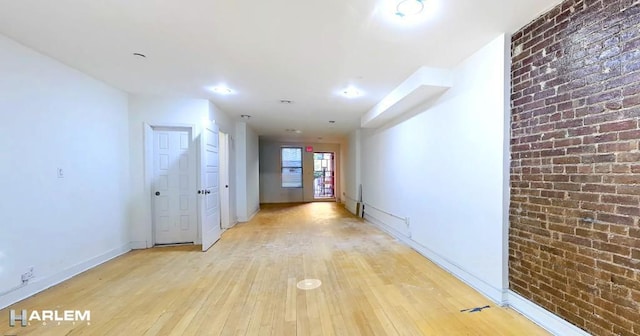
496 295
148 178
39 285
506 155
350 204
244 220
542 317
138 245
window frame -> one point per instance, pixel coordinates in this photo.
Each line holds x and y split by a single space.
282 167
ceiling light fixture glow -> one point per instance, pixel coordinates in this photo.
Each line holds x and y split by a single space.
222 90
408 14
409 8
351 92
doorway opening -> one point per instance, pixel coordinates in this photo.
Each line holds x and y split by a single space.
324 175
223 152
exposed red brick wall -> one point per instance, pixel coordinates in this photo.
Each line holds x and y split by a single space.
574 240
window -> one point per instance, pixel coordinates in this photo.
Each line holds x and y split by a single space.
291 158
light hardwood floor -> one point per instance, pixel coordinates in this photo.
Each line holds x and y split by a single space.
246 285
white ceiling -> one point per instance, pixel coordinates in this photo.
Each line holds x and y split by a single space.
301 50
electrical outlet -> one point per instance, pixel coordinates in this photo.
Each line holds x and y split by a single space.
27 275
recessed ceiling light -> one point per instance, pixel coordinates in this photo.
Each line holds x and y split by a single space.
409 8
140 55
408 13
221 89
286 101
351 92
291 130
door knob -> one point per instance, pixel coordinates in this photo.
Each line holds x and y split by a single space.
157 193
207 191
226 186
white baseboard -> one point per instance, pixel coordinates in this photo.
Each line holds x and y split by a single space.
542 317
39 285
351 206
138 245
496 295
244 220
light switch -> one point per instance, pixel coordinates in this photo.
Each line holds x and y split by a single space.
60 173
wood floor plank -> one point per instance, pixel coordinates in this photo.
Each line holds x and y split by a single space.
291 308
246 285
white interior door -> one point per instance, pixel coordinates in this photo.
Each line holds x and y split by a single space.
209 182
174 182
224 181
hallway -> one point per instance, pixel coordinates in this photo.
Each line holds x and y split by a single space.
246 285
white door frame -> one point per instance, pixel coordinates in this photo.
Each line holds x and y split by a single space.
225 183
148 174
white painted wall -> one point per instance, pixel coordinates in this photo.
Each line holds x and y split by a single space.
271 190
241 172
351 170
228 125
52 116
156 110
253 172
247 174
445 169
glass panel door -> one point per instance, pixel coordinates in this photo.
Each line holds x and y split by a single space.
323 175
